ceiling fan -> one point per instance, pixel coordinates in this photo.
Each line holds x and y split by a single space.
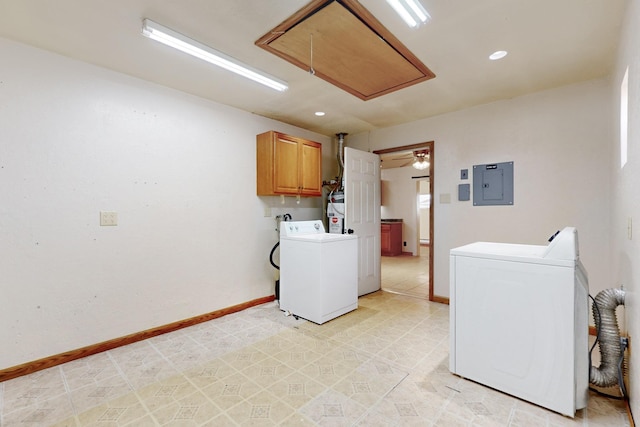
419 159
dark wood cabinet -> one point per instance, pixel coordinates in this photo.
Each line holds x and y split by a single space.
391 239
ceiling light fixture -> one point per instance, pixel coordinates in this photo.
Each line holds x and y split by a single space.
411 11
319 113
184 44
499 54
420 160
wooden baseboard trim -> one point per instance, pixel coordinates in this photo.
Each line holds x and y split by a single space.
441 300
58 359
632 423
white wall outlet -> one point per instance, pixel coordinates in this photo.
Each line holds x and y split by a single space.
108 218
267 211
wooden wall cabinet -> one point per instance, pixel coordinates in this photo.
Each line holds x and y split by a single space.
391 239
288 165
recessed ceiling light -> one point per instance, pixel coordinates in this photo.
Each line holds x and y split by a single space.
319 113
499 54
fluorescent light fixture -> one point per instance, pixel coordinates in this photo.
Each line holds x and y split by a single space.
184 44
319 113
499 54
411 11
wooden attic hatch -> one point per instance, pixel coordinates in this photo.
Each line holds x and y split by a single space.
343 43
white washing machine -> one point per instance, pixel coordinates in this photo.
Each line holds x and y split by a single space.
519 320
318 271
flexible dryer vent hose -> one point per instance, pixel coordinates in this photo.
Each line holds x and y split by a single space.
604 314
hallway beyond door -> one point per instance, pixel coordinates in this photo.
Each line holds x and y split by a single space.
406 274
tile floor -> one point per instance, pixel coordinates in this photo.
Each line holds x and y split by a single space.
384 364
406 274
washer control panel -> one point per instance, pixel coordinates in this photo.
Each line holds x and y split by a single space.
299 228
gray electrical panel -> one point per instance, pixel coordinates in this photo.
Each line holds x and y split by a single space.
493 184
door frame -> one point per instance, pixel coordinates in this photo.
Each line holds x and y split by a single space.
430 145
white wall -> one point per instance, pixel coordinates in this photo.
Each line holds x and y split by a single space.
625 190
559 140
179 171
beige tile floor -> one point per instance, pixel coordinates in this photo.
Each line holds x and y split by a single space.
384 364
406 274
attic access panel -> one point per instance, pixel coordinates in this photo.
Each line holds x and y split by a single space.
344 44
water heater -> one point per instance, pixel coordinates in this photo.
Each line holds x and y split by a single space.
335 212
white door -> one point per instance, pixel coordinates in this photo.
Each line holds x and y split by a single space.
362 213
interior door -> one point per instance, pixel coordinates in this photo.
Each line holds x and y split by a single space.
362 213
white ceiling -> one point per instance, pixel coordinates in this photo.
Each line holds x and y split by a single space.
550 42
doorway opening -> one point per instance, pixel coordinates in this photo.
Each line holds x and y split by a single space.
402 187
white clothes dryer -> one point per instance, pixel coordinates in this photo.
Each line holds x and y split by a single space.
519 320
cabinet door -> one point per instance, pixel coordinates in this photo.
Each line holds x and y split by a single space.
385 239
286 168
311 163
396 239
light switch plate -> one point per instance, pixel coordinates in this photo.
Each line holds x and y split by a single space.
464 173
108 218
